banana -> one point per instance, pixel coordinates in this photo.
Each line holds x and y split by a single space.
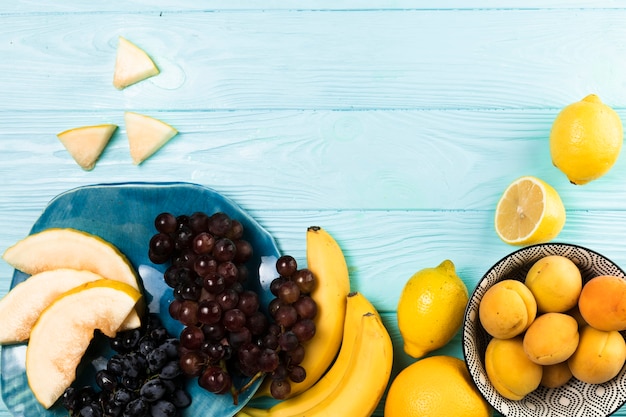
357 305
326 261
358 391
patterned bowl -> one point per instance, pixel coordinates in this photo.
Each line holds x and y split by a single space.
575 399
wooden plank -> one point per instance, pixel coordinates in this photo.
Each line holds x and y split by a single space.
145 6
415 59
315 160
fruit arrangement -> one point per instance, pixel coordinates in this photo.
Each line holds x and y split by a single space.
551 327
227 334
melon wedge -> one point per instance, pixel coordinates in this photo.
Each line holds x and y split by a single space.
61 335
146 135
20 308
85 144
56 248
132 64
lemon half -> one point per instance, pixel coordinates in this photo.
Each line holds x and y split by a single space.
530 211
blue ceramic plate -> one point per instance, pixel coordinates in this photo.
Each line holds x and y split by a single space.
123 214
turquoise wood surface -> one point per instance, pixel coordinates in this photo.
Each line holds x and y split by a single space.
394 125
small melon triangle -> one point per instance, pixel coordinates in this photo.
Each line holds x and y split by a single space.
132 64
85 144
146 135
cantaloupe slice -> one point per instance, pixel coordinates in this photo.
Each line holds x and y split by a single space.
132 64
146 135
86 143
56 248
20 308
61 335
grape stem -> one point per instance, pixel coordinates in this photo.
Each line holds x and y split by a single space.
236 393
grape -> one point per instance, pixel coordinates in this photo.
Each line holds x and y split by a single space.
170 370
199 222
305 280
213 283
152 390
162 244
257 322
286 266
229 271
183 237
243 251
248 302
237 339
135 408
224 250
191 338
228 299
304 329
214 332
306 307
268 360
286 315
297 374
204 265
234 320
289 292
215 379
280 389
288 341
295 356
174 309
163 408
236 230
203 243
209 312
106 380
165 223
219 224
276 284
192 363
188 313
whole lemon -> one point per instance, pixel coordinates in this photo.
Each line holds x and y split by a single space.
431 307
437 386
586 139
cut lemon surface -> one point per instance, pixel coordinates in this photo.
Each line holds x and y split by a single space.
70 248
530 211
61 335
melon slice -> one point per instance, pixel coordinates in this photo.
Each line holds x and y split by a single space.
62 334
56 248
86 143
132 64
146 135
20 308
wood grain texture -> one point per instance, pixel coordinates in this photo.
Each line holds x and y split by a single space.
415 59
393 124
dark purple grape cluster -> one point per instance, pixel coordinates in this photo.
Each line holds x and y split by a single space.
292 311
226 333
142 379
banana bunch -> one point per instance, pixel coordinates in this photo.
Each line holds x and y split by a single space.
326 261
360 372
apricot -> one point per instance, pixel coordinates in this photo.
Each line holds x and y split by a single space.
599 356
510 370
556 375
555 282
602 303
507 309
551 338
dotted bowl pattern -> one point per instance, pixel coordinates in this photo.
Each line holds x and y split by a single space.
575 399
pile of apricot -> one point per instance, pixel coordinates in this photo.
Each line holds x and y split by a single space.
551 328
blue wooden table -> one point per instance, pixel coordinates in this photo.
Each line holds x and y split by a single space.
394 125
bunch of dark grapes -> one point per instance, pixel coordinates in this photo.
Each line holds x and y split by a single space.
226 333
142 379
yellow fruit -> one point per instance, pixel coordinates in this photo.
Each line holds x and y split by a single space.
599 357
530 211
586 140
556 375
510 370
61 335
21 307
437 386
507 309
555 281
132 64
552 338
431 307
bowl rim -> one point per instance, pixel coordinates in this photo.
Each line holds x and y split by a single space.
471 308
